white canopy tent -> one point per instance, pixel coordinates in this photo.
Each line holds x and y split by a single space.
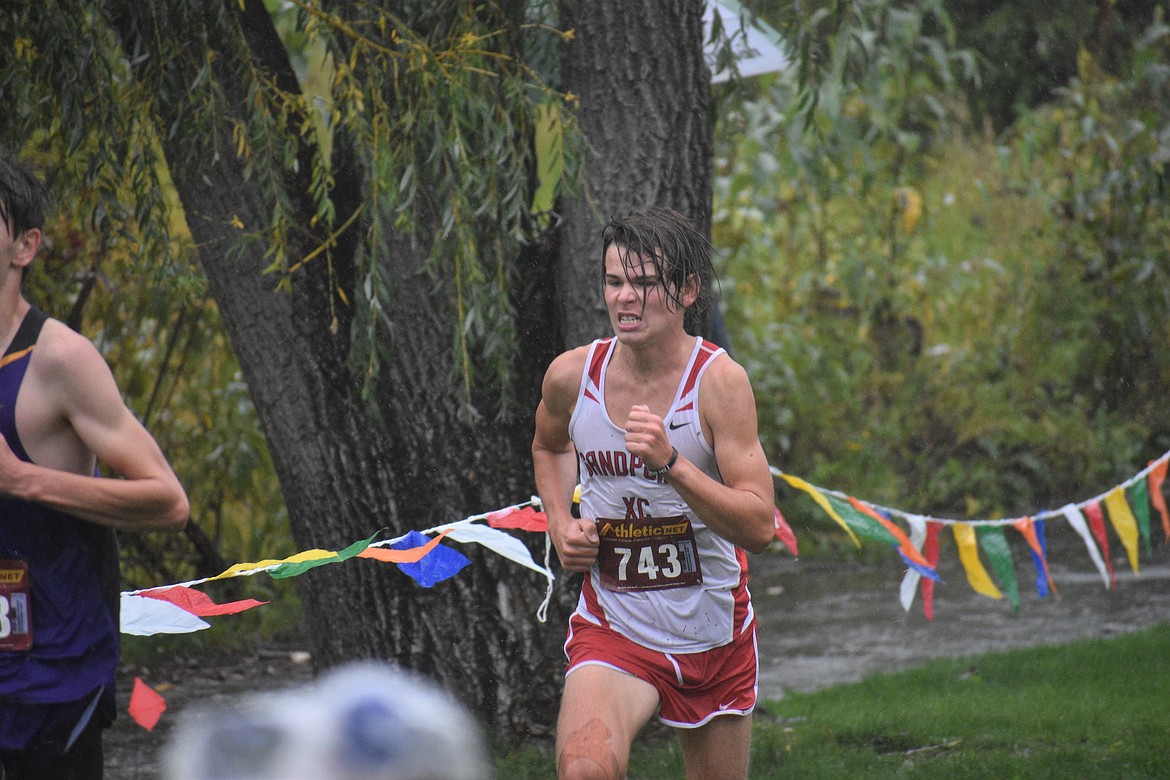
756 46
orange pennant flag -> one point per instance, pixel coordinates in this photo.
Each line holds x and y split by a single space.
146 705
1027 529
413 555
907 546
1157 477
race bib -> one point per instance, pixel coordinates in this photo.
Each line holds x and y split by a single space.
15 623
652 553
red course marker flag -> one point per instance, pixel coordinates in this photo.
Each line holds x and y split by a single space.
146 706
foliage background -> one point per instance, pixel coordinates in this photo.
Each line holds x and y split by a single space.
943 258
938 315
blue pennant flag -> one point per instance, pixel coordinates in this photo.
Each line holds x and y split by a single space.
439 564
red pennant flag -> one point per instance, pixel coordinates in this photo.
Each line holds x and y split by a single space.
1157 477
525 518
146 706
1097 526
784 532
199 603
930 553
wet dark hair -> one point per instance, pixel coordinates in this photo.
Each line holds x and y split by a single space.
671 242
23 197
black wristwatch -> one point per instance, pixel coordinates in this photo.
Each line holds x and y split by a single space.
662 472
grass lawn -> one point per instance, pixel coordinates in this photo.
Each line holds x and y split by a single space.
1090 709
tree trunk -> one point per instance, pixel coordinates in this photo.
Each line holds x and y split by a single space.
345 471
645 93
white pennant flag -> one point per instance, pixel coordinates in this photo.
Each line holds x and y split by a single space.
1077 521
910 581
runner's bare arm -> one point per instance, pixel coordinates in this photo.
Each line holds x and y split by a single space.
82 390
554 462
741 508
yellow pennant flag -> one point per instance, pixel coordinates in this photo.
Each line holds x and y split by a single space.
822 502
244 568
1121 516
969 556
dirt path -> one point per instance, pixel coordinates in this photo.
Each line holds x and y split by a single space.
820 624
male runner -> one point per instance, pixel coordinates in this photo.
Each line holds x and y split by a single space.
61 412
660 429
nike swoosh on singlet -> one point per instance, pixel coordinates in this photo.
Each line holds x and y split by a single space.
675 426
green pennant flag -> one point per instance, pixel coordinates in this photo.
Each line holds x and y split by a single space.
861 523
287 570
1139 500
995 547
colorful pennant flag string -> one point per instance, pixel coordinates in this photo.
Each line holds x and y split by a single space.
178 608
1125 508
1156 468
460 531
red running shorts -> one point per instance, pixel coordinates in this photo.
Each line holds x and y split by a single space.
693 688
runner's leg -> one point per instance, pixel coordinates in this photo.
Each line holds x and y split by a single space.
719 749
602 711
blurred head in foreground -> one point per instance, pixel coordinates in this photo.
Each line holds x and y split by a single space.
359 722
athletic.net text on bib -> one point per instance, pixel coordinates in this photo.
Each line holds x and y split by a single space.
650 553
15 627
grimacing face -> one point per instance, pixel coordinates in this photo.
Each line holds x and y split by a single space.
639 301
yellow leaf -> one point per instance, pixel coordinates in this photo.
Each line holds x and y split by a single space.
909 202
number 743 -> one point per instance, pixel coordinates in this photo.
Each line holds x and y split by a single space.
666 562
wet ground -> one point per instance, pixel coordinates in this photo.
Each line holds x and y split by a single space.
821 623
826 623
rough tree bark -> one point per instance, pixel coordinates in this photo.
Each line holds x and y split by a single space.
645 92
